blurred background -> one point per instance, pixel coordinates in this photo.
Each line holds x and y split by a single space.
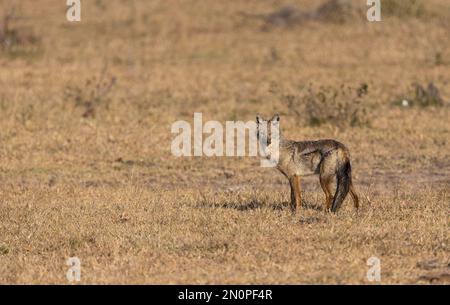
109 87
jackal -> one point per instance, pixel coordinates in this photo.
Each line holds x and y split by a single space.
329 159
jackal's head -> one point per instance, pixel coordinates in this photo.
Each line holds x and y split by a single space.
266 130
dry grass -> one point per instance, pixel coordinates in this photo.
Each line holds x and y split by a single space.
105 187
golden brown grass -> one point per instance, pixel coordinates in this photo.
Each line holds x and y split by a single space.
105 187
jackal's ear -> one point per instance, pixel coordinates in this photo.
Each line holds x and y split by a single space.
276 118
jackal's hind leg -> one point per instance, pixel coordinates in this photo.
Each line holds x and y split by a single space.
354 197
325 183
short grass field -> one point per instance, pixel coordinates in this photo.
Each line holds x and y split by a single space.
86 168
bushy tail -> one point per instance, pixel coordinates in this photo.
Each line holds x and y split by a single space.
344 181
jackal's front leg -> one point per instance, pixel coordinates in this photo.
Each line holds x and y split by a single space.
296 197
292 203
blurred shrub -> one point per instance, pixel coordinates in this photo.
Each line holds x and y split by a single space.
421 96
93 94
13 37
403 8
338 11
334 11
342 107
